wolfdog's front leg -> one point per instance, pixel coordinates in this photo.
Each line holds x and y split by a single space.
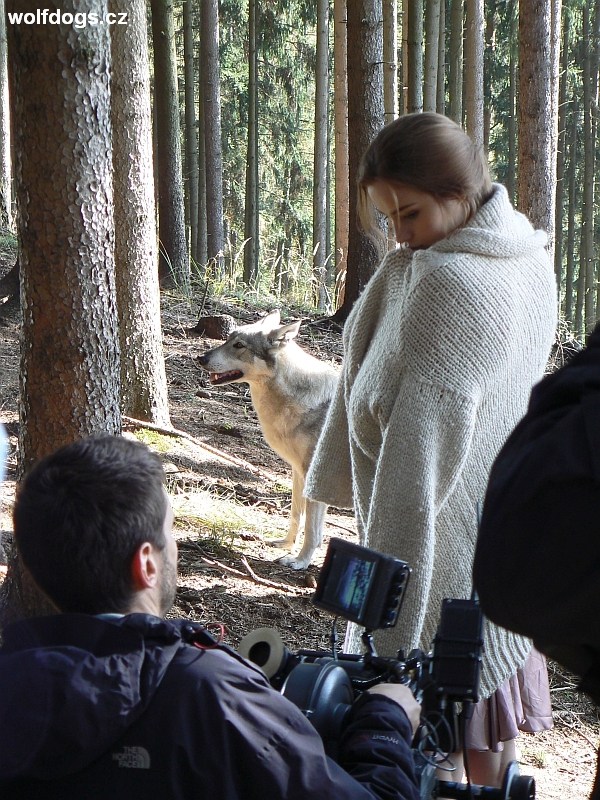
296 513
313 535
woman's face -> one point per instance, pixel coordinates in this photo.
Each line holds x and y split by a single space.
419 218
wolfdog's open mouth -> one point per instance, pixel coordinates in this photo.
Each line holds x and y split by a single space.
216 378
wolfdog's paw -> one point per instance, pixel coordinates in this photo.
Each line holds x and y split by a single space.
285 544
295 562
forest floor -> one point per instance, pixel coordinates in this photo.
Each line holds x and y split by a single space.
227 511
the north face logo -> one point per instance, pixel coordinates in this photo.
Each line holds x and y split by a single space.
133 758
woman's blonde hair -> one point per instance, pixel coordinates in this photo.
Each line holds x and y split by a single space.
429 152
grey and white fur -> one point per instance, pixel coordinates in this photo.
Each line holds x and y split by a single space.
291 392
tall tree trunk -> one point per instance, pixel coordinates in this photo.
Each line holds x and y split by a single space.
69 372
403 98
174 265
432 40
365 118
488 60
201 243
441 81
212 132
474 70
415 56
511 174
191 134
321 154
561 155
537 117
570 267
390 60
251 226
455 54
143 380
340 110
590 89
6 220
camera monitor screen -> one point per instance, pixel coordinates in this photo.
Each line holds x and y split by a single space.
348 584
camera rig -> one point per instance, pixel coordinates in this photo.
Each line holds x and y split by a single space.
367 587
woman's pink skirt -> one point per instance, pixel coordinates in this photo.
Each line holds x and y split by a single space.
521 703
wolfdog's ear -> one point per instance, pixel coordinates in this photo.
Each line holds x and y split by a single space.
282 335
270 320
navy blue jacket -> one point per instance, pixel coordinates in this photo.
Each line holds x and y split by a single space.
91 708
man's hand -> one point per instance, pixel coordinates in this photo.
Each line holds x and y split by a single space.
402 695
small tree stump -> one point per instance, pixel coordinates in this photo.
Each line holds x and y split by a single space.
216 327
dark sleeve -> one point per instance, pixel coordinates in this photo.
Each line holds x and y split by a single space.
267 747
375 748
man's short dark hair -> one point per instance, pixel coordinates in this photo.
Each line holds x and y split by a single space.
80 515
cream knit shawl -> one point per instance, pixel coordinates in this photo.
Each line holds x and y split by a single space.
441 352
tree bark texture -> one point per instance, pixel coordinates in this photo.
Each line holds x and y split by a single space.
201 244
212 132
6 220
432 39
473 99
455 54
321 155
561 154
390 60
415 56
174 265
441 79
537 123
69 370
251 218
191 134
340 111
511 174
571 225
143 379
365 118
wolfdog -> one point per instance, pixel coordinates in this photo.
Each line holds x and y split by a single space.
291 391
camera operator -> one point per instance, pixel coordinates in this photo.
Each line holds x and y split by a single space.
537 558
108 699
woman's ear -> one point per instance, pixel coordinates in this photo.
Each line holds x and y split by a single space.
144 567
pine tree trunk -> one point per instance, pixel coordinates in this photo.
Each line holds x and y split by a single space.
474 70
365 118
572 169
415 56
191 134
201 243
537 118
561 155
340 111
212 132
511 173
590 84
251 226
455 54
488 60
174 265
143 380
432 40
321 155
403 98
441 81
390 60
69 369
6 221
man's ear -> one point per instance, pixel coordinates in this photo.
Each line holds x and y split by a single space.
144 567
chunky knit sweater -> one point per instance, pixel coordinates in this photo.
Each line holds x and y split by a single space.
441 352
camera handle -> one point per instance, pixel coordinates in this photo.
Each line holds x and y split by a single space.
514 787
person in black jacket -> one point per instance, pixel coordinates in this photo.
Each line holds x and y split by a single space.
537 559
109 700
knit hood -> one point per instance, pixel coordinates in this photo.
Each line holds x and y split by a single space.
72 684
496 230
